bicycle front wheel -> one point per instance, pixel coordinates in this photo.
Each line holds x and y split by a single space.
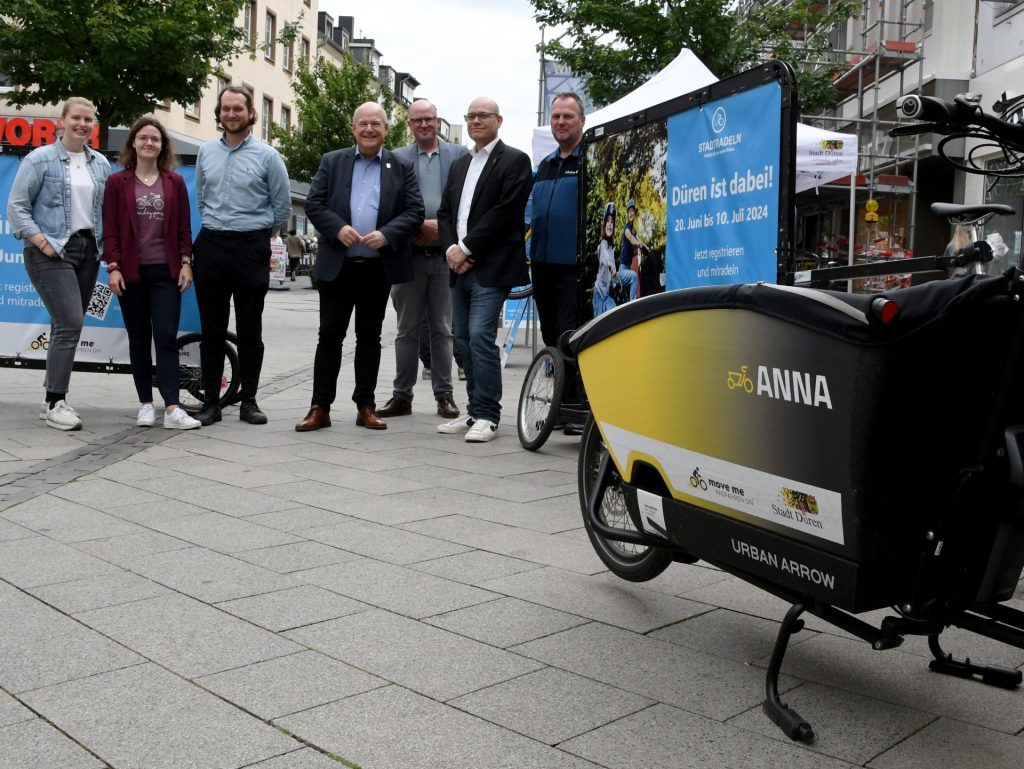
191 389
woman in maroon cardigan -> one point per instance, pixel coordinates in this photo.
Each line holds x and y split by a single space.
147 245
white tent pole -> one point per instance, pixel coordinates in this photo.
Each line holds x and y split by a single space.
853 225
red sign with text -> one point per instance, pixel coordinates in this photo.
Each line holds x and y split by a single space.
35 132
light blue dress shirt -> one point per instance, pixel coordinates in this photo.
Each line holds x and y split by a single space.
243 188
365 200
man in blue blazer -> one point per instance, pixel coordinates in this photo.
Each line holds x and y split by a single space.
432 158
366 206
482 229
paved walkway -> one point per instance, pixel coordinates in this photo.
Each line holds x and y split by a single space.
246 596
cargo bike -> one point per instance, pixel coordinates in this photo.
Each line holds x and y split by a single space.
845 453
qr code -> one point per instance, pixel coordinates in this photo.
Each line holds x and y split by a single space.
99 302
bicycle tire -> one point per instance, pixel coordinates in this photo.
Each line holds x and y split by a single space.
521 292
540 400
190 374
634 563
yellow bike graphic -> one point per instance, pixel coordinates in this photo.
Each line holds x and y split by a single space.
740 379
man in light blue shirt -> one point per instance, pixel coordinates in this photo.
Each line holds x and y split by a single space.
244 198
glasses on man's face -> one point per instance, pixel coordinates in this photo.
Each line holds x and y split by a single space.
471 116
421 120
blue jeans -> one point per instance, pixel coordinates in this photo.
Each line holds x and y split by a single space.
65 284
475 314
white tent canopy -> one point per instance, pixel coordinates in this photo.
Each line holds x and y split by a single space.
817 162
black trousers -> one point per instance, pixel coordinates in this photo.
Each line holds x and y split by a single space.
363 287
554 292
231 266
151 309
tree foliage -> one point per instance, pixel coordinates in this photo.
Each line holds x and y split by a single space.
123 55
326 97
620 45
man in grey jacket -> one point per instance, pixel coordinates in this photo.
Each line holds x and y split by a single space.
432 158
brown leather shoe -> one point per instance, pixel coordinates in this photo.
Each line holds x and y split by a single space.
314 420
446 407
368 418
396 407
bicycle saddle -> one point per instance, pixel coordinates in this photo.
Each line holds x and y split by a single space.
964 214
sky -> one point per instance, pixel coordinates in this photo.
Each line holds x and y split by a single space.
458 50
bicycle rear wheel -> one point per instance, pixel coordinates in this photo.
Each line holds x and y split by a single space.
191 390
540 400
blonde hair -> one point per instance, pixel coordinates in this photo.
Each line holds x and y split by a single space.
77 101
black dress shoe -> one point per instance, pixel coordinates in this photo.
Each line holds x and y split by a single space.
250 412
208 414
396 407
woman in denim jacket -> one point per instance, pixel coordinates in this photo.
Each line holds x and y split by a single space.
55 208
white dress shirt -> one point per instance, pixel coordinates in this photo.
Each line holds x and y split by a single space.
476 167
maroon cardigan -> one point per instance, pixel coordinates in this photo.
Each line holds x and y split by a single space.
120 223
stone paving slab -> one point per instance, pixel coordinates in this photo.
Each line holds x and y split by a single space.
12 711
384 543
292 607
946 744
223 534
207 575
848 726
428 660
663 736
550 705
146 718
187 636
67 521
393 728
289 684
692 680
38 745
395 588
231 500
506 622
9 531
300 759
606 599
474 566
42 561
295 556
129 547
97 592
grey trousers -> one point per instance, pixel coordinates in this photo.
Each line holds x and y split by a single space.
429 287
65 285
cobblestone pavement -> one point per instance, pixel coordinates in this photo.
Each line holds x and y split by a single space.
244 596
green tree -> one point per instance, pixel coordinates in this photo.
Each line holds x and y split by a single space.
123 55
326 97
620 45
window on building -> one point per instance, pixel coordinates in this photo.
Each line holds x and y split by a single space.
269 36
304 51
268 117
286 117
1003 7
223 81
287 53
165 104
6 84
192 110
249 24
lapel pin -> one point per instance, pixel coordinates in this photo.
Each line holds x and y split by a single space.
387 165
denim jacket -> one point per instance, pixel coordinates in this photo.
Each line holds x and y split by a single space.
40 200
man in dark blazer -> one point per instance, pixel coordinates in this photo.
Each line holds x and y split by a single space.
365 204
428 292
482 230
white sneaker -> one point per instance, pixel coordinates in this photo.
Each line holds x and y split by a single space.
147 415
483 430
456 426
180 420
63 417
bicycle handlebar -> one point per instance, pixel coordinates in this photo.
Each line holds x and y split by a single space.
949 117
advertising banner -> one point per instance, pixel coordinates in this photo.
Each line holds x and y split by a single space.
24 321
723 177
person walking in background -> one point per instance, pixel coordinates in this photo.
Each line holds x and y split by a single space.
55 207
427 296
366 206
147 245
296 247
244 199
481 226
